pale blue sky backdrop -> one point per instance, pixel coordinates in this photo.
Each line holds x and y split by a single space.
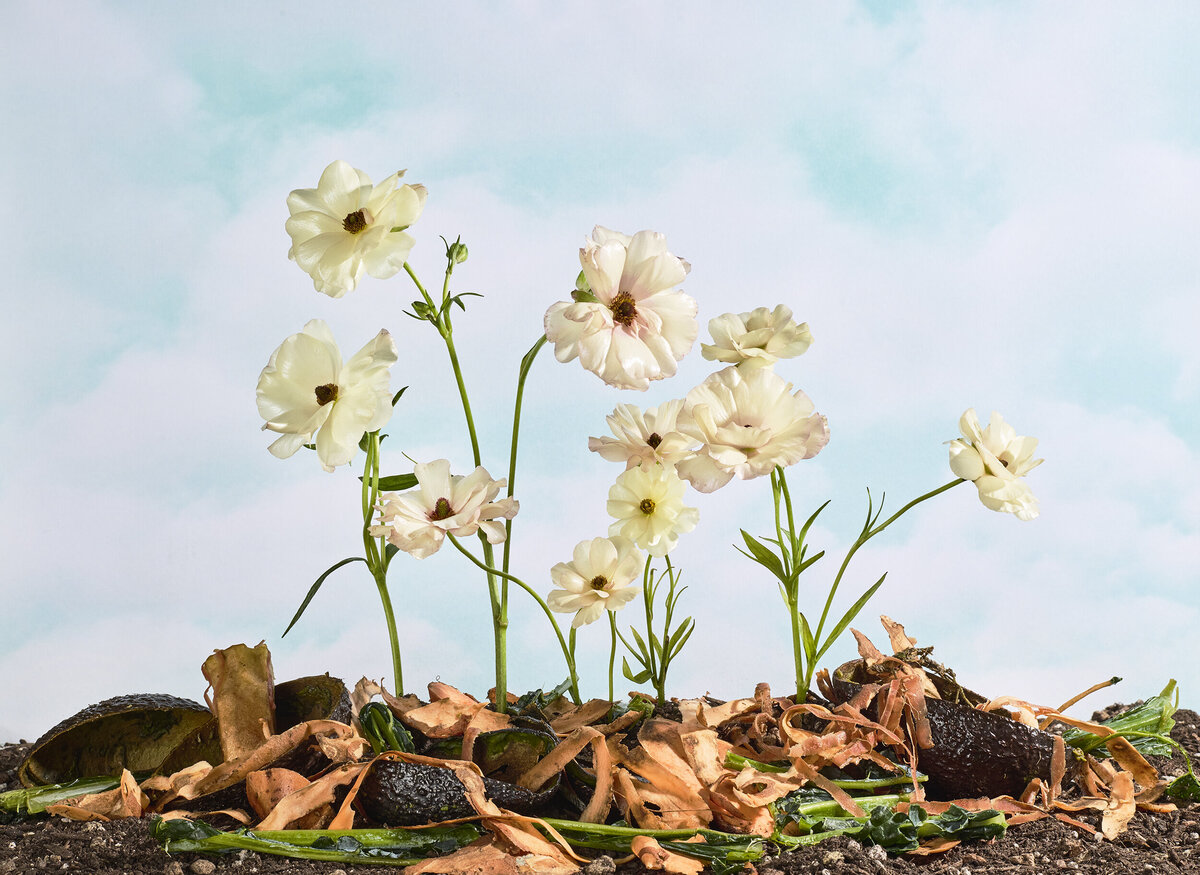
992 205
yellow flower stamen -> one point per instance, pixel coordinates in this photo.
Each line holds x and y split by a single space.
624 308
355 222
646 506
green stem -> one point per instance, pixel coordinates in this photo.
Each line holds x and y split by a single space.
869 531
377 553
496 591
612 653
541 602
648 590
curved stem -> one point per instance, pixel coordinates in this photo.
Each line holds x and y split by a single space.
522 374
541 602
867 534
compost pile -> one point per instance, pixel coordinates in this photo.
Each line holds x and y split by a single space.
893 768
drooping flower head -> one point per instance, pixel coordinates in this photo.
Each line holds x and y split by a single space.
597 579
305 390
417 521
747 423
640 325
346 226
644 437
995 458
648 506
756 339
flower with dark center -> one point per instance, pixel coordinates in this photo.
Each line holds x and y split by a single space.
600 577
355 222
635 325
326 394
624 309
347 227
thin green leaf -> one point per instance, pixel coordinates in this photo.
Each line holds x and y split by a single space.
674 650
396 397
807 562
849 616
639 678
762 555
806 637
679 631
641 643
812 519
397 482
312 590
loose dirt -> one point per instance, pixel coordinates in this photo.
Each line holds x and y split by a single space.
1163 844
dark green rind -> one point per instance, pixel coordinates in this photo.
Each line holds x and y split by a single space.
134 732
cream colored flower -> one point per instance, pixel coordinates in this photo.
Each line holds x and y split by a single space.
417 521
305 390
648 506
747 423
597 579
644 437
994 458
756 339
640 325
346 226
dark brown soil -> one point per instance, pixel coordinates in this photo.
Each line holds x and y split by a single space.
1155 843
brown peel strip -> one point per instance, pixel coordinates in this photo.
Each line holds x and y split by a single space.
515 830
567 749
840 796
1121 807
1132 761
1078 824
654 856
937 845
586 714
313 798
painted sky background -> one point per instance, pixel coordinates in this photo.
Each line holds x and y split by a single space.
987 205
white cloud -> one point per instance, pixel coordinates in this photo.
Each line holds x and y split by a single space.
961 222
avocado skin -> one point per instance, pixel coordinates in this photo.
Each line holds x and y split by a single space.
409 794
133 732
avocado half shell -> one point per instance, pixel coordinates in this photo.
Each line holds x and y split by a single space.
134 732
975 753
156 732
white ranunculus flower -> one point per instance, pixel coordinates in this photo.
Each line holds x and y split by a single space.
648 506
747 423
640 325
644 437
994 458
756 339
346 226
305 390
417 521
597 579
